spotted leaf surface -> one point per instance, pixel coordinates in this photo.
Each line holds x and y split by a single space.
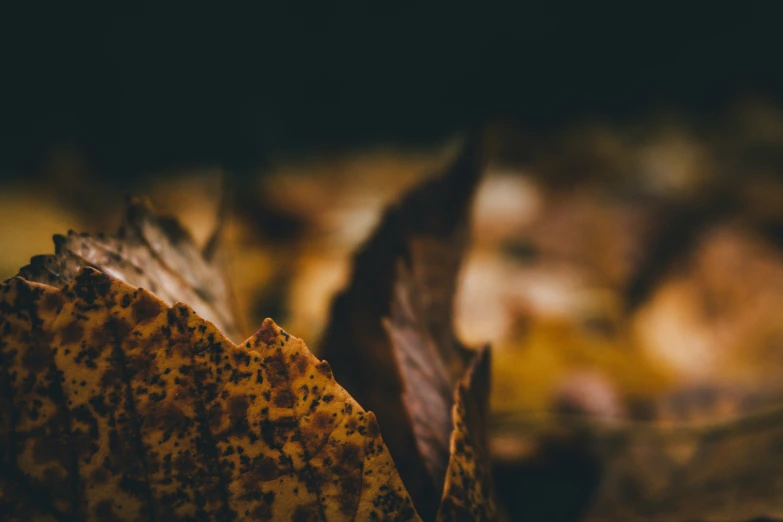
467 492
124 408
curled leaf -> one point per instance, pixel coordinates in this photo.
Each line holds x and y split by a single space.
446 390
427 380
149 251
391 342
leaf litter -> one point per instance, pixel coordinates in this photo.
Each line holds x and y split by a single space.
638 445
124 403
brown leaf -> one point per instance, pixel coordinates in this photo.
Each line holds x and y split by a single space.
446 386
149 251
123 407
397 314
427 378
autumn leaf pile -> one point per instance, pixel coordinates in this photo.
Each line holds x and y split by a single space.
123 396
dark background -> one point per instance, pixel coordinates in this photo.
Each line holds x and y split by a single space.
137 87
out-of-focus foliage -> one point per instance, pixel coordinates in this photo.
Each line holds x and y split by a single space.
149 411
630 272
390 341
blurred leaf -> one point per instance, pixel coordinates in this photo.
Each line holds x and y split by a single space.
391 342
445 386
149 251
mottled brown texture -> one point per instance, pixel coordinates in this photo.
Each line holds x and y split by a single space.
149 251
183 475
291 440
151 412
104 425
32 392
467 493
19 499
425 233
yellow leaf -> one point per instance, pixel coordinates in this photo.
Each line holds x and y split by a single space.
127 408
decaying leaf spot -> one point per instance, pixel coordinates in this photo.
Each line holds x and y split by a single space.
35 421
122 407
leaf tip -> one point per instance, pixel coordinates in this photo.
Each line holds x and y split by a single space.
182 310
267 333
373 430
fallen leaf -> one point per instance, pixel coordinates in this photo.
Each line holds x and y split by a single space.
428 378
149 251
392 344
445 386
122 407
149 411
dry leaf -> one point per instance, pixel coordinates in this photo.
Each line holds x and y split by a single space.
121 407
397 314
123 403
445 386
149 251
